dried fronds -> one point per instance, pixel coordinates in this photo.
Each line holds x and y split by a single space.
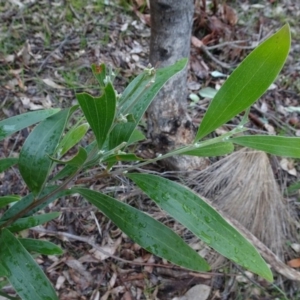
242 185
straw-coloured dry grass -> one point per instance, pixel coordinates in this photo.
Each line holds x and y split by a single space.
243 186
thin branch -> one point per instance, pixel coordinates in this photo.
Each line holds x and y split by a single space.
97 223
233 44
276 121
60 46
8 297
91 242
39 201
222 64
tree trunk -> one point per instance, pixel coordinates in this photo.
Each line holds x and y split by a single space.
169 125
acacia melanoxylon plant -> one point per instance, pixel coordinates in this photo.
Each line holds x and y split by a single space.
114 120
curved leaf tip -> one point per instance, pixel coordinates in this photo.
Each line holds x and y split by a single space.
248 82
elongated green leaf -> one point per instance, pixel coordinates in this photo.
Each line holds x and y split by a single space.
111 160
201 219
34 161
208 92
99 112
278 145
8 199
77 161
23 272
147 232
29 222
42 247
122 157
3 272
120 134
29 199
136 136
55 196
73 136
7 163
24 203
16 123
135 91
211 150
248 82
137 97
69 170
65 172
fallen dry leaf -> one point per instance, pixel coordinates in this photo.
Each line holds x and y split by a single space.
199 67
197 292
80 268
270 129
115 291
288 166
221 130
264 107
124 27
26 53
244 279
144 18
294 263
229 15
196 42
59 282
295 247
127 296
52 84
141 3
107 251
8 58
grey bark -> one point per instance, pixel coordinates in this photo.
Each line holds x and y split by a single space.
169 125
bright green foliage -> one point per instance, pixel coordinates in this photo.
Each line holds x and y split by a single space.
34 161
72 138
147 232
114 119
77 161
6 163
99 112
201 219
277 145
137 97
22 271
14 124
248 82
32 221
29 201
41 247
8 199
217 149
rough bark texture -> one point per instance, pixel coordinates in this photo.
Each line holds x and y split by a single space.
169 125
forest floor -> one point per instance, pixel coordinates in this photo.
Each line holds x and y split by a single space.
46 50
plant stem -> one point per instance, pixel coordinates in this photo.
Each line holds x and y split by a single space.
179 151
45 198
